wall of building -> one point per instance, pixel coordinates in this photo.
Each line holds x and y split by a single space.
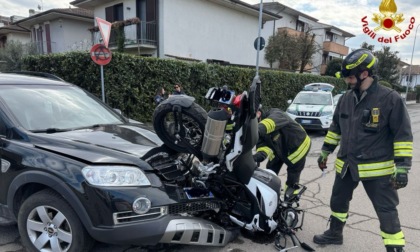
129 7
76 36
21 37
200 29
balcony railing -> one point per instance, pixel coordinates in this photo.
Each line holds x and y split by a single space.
289 31
141 34
330 46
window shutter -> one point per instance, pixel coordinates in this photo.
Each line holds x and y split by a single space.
109 14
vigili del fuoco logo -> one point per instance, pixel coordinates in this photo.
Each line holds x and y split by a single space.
388 20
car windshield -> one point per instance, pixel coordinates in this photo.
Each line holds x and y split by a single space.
315 98
40 108
336 98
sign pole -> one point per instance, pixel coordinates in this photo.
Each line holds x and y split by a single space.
102 83
259 35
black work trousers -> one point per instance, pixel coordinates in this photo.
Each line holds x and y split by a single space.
381 193
293 170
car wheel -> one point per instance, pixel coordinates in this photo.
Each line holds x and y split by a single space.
48 223
193 120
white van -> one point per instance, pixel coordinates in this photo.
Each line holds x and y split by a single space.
313 107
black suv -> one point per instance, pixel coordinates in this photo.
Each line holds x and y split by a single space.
71 169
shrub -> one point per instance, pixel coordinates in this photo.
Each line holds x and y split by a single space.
131 81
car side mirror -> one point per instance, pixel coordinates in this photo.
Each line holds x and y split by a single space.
289 101
118 111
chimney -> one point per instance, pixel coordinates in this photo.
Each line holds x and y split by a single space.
31 12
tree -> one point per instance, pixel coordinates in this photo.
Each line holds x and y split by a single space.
307 48
388 65
334 66
279 50
365 45
12 54
292 52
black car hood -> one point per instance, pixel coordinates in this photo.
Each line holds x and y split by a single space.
110 144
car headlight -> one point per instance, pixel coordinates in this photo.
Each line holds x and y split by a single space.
291 111
115 176
326 113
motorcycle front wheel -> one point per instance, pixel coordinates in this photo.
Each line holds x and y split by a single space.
193 121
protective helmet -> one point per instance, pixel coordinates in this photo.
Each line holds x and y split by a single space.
358 61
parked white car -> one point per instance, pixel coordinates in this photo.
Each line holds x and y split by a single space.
313 107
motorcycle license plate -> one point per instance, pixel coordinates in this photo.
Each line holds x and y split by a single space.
306 121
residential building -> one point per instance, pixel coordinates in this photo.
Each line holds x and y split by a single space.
329 40
59 30
218 31
9 32
410 76
13 33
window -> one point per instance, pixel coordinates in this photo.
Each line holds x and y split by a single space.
114 13
326 58
329 36
300 26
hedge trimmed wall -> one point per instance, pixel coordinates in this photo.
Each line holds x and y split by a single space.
131 81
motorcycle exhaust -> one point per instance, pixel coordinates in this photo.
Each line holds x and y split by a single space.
214 133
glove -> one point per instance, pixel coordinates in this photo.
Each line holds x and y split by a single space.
259 157
400 178
322 160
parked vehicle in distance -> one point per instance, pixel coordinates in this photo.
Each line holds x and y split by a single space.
313 107
336 98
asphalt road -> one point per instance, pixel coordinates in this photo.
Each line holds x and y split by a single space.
361 233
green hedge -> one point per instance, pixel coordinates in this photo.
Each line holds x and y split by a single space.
131 81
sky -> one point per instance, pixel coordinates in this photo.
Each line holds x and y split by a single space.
344 14
348 14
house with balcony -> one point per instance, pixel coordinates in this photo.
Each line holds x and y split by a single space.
333 45
329 40
217 31
59 30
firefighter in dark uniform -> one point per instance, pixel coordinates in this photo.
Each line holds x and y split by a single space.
372 124
282 140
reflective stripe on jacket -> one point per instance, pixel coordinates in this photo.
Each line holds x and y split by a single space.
374 133
284 136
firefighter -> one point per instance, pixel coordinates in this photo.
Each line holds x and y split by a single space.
282 140
372 124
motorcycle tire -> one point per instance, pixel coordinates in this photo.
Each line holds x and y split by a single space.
193 119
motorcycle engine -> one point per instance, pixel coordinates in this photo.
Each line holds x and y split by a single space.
290 217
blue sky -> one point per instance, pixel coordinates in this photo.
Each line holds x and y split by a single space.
345 14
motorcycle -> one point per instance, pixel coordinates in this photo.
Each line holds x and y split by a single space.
213 170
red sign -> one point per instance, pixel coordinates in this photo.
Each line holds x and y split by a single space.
100 54
105 29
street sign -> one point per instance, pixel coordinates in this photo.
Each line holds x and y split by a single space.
105 29
100 54
262 43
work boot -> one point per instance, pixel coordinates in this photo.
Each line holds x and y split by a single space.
334 235
394 249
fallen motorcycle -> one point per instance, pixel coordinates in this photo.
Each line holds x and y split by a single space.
210 174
